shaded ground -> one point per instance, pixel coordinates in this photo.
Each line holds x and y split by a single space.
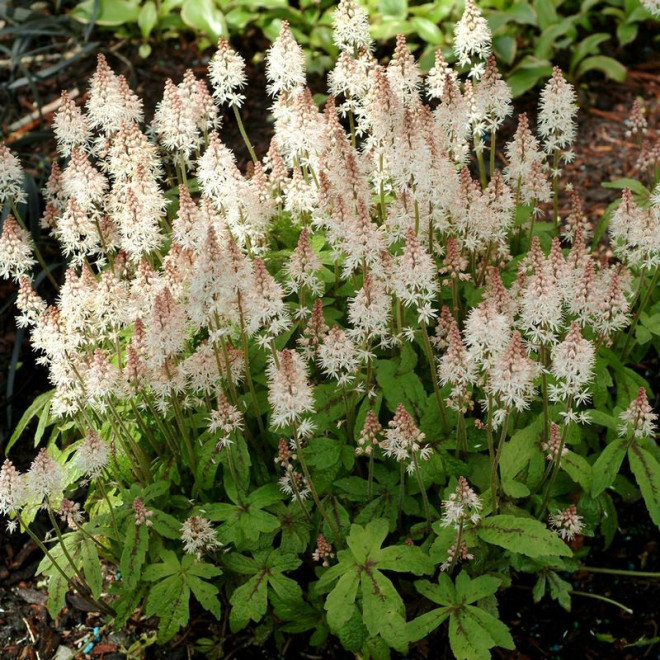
593 630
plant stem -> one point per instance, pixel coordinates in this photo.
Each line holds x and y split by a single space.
303 464
602 598
616 571
434 377
493 471
638 313
244 135
422 490
37 251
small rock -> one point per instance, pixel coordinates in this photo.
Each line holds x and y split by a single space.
63 653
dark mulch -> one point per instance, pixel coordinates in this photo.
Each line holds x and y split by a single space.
593 629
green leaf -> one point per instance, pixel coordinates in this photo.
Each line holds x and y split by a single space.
560 590
468 638
603 419
147 18
586 47
91 566
505 46
442 593
607 466
134 553
383 611
607 65
647 473
110 12
205 593
636 186
397 8
366 541
528 75
204 16
57 590
249 602
523 535
626 34
339 600
169 600
427 30
409 559
36 407
470 591
424 625
578 469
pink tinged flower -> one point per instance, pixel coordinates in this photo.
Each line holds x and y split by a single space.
567 523
70 127
224 421
303 265
11 178
13 489
454 555
198 536
403 440
289 392
111 102
227 75
323 553
458 368
437 76
285 63
141 513
572 365
15 250
402 71
415 278
639 420
338 356
30 304
513 374
552 445
370 435
93 455
462 506
45 478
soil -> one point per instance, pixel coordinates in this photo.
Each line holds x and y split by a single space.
594 629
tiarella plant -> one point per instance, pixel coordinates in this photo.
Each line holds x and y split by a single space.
354 391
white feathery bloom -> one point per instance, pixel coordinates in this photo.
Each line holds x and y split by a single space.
111 102
175 123
224 421
403 440
45 478
13 489
462 506
457 367
198 536
303 265
350 27
437 76
227 75
414 279
289 392
567 523
30 304
83 182
338 356
639 420
487 332
513 374
11 178
369 312
472 37
635 233
556 118
15 250
403 73
653 6
70 128
285 63
93 455
572 365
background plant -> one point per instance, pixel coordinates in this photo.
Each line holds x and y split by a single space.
527 37
377 371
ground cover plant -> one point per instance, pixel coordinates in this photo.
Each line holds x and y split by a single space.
351 392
